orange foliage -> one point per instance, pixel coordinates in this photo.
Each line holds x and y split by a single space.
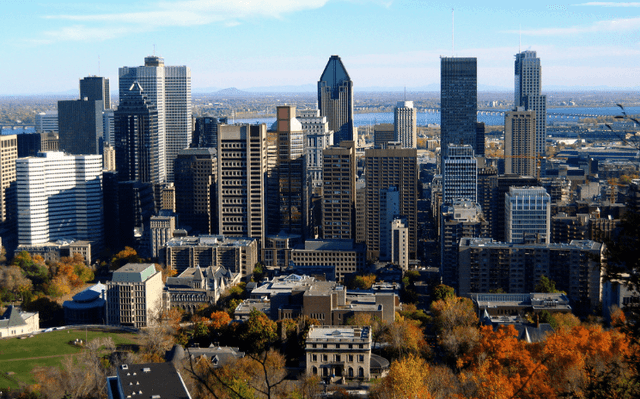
220 319
407 378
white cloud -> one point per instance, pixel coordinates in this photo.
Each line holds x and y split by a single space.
171 14
614 25
608 4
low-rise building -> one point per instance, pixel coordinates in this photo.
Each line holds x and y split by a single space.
147 380
87 306
236 254
347 257
198 286
337 353
14 323
501 304
134 295
53 251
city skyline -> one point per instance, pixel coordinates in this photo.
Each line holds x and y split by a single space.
584 44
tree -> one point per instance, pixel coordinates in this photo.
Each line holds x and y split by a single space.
403 337
13 279
546 285
127 255
364 282
456 323
407 378
258 333
443 291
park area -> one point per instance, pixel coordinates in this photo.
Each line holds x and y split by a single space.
18 357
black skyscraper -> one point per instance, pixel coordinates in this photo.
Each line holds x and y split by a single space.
95 88
458 102
136 136
335 99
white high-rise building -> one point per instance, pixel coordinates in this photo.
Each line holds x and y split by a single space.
60 197
169 89
404 124
400 243
527 215
527 94
459 174
317 138
47 121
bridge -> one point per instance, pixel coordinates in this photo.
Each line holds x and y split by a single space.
492 112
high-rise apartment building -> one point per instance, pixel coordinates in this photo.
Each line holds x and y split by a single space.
169 89
60 197
138 140
389 211
527 94
400 243
383 134
459 174
80 126
8 156
96 88
318 137
242 166
404 124
195 188
527 215
339 192
335 99
458 102
394 166
292 190
520 142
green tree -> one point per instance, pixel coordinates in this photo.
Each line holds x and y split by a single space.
258 333
546 285
443 291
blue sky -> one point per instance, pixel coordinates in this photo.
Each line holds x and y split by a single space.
47 46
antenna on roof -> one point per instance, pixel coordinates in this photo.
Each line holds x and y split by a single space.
452 37
520 41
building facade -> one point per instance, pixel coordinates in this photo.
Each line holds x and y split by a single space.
397 167
527 215
59 196
318 136
404 124
520 142
336 353
335 99
242 166
134 296
169 89
80 126
458 102
527 94
339 191
195 177
96 88
459 174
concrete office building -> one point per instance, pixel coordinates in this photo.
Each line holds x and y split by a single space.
527 94
47 121
318 136
195 188
242 165
80 126
59 196
458 102
162 228
339 192
400 243
347 258
134 296
138 140
335 99
389 211
458 219
236 254
169 89
520 142
397 167
459 174
527 215
404 124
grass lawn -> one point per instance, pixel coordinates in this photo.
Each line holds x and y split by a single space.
20 356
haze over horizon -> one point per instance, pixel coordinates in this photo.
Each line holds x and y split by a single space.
286 43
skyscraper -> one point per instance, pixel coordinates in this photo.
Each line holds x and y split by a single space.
404 124
169 89
335 99
96 88
80 126
60 197
394 166
458 102
339 192
195 187
242 166
138 141
318 137
459 174
527 94
520 142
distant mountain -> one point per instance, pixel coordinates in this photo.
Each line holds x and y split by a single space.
232 91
